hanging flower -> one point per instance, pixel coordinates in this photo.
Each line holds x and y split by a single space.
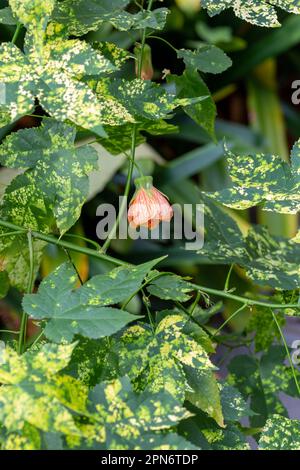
148 206
146 72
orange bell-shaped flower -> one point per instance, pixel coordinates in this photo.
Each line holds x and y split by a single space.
148 206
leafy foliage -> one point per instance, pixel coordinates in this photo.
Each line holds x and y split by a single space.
263 179
280 433
173 358
258 12
127 357
56 181
85 310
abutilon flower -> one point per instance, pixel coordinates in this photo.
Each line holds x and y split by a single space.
147 71
148 206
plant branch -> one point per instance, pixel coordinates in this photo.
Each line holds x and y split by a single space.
17 33
23 328
123 206
64 244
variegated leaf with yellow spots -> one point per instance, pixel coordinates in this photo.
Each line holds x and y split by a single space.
55 181
33 392
261 380
81 16
126 420
280 433
268 260
263 179
15 260
258 12
53 74
87 310
142 99
172 359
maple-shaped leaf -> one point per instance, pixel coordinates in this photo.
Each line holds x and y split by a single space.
34 392
124 419
258 12
81 16
143 99
86 311
263 179
171 358
280 433
51 72
268 260
55 181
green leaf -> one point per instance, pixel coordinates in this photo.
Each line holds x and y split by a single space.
203 432
56 181
7 17
142 99
81 16
261 381
266 331
258 12
119 138
206 58
263 179
14 255
127 420
26 439
170 359
33 392
267 260
171 287
280 433
85 310
234 406
190 84
52 73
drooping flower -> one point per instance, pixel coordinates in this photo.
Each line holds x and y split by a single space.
146 72
148 206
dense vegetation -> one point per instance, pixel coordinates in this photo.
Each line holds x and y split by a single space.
144 344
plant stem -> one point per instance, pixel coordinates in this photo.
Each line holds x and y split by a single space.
11 332
244 300
123 206
23 328
113 231
96 254
71 246
232 316
226 287
17 32
287 351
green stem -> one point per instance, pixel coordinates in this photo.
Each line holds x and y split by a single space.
195 303
123 206
96 254
226 287
23 328
71 246
229 319
287 351
243 300
17 32
11 332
